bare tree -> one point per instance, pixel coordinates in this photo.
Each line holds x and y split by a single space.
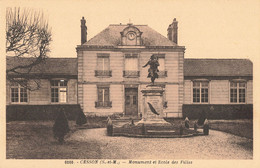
28 38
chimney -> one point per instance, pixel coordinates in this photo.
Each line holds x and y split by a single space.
83 31
173 31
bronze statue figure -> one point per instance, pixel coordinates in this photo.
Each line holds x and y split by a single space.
153 70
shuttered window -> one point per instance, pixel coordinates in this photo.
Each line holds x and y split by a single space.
161 59
103 97
131 64
103 63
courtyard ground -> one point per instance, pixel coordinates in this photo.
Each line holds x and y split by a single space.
34 140
243 128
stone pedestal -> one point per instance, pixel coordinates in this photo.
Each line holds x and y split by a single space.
153 94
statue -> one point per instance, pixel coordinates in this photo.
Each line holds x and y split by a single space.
152 71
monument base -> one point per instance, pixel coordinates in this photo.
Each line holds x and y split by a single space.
154 122
152 114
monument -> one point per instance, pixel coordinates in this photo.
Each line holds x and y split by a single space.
152 123
152 113
152 71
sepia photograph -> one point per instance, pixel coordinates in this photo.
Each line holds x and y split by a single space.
130 83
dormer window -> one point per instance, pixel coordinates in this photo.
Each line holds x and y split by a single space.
131 35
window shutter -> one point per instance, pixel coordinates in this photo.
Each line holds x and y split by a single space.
100 64
161 61
106 94
106 63
100 95
131 64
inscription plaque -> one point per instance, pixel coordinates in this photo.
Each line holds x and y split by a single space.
153 94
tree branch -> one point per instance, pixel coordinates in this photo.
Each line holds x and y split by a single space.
27 36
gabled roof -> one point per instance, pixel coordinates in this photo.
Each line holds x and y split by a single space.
111 37
192 67
218 67
51 66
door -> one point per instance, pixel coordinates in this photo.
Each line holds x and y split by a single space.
131 101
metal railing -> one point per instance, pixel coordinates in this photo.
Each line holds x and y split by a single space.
103 104
103 73
131 74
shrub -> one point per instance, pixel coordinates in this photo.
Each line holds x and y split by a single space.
81 118
206 127
202 117
181 130
187 122
195 126
61 126
109 127
143 129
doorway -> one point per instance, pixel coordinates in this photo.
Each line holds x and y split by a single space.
131 101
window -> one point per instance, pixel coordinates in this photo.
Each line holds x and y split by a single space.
19 94
237 92
103 97
131 65
59 91
103 65
200 91
161 59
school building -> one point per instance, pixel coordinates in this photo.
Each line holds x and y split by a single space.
107 77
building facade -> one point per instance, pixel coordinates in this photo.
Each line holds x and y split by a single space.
221 87
111 76
57 80
108 75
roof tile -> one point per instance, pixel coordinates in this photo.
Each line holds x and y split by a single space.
111 37
58 66
192 67
218 67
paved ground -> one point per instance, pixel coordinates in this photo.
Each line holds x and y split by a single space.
218 145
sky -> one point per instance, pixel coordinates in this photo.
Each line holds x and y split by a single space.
207 28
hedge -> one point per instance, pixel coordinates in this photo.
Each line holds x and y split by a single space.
220 111
40 112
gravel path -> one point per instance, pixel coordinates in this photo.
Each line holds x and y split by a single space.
218 145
